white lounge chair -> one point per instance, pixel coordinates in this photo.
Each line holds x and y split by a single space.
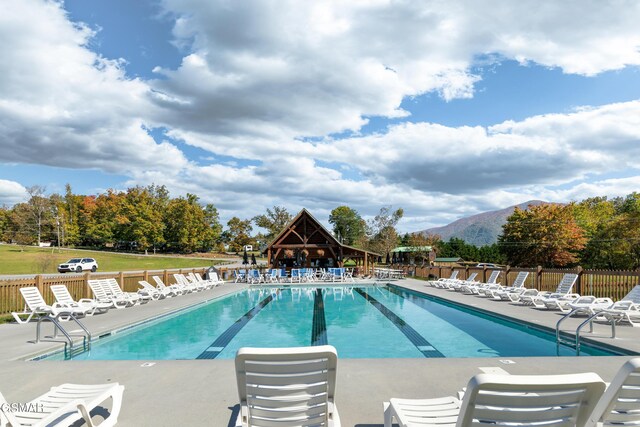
620 404
63 297
505 400
101 295
479 287
586 304
625 310
64 405
458 285
518 283
198 279
147 288
215 279
562 291
176 289
441 282
287 386
36 306
187 284
113 288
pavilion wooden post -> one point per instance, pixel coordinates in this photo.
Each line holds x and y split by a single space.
269 258
366 265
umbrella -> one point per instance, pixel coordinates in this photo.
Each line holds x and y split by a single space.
394 260
245 258
253 259
388 261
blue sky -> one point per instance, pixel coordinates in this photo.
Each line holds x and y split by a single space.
443 108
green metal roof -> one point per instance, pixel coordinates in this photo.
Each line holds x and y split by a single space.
412 249
447 259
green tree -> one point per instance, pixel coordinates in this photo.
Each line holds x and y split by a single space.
458 248
616 244
212 220
4 220
592 213
188 227
381 230
348 225
39 207
141 219
546 235
239 233
273 221
69 217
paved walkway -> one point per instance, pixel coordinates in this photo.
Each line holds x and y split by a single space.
203 392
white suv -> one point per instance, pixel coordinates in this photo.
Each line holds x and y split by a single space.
78 265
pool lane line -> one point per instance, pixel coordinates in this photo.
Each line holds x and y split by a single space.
225 338
412 335
319 325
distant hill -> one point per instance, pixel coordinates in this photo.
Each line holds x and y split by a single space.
481 229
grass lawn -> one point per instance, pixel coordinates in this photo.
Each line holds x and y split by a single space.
32 260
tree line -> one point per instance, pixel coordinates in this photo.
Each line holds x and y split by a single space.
143 219
597 232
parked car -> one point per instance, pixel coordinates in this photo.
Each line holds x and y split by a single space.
487 265
78 265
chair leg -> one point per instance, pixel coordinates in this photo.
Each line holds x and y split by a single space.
388 415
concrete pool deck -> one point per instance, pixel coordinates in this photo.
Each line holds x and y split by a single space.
203 392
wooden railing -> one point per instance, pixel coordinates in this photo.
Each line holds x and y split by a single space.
601 283
11 299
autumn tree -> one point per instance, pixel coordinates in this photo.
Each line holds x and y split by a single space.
546 235
238 233
273 221
20 226
103 218
422 244
381 230
348 225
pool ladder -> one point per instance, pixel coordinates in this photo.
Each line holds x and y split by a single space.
69 349
575 341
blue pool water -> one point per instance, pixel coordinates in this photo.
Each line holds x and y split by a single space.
361 322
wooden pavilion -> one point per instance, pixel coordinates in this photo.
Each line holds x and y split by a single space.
306 243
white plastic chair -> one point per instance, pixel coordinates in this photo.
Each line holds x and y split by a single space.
287 386
506 400
444 282
620 404
625 310
63 297
562 291
36 306
502 292
65 404
112 288
176 289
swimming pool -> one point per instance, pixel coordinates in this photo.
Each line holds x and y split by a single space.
360 321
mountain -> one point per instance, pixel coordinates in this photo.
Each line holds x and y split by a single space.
481 229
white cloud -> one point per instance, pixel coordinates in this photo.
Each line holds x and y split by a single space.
11 193
63 105
289 69
258 78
